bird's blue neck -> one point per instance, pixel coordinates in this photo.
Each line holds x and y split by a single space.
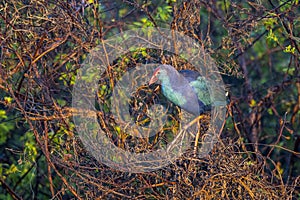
175 96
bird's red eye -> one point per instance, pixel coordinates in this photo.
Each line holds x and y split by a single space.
157 71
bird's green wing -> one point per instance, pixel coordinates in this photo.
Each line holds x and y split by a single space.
201 88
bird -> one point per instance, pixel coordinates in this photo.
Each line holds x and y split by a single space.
185 88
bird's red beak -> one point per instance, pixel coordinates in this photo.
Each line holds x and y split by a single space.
154 76
153 79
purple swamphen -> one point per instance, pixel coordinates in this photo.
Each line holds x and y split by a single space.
186 88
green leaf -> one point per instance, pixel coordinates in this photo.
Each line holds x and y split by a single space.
8 100
61 102
289 49
3 114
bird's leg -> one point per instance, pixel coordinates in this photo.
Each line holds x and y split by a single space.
196 120
181 135
197 136
192 123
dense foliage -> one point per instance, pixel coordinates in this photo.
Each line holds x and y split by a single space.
256 47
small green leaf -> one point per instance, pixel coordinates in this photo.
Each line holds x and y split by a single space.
61 102
118 129
289 49
252 103
8 100
3 114
13 169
